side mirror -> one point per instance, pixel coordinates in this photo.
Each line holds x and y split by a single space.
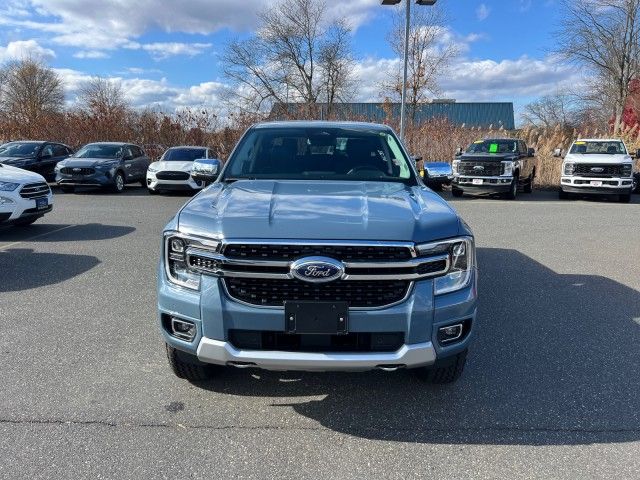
127 157
638 154
416 159
532 152
557 152
458 151
206 169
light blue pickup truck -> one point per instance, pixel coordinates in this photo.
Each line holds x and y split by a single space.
317 247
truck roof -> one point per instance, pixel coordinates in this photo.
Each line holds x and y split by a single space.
321 124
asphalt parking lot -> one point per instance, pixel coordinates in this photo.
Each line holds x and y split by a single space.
551 389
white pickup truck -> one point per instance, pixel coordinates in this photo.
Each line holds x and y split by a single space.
597 166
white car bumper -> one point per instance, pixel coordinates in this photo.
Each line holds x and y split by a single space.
155 183
14 207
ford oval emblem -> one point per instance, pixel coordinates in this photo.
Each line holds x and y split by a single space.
478 167
317 269
597 169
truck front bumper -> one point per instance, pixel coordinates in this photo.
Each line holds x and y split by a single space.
489 185
216 316
223 353
590 185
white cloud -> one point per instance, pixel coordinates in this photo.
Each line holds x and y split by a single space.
90 54
22 49
482 12
163 50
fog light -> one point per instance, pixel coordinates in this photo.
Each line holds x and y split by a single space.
183 329
450 333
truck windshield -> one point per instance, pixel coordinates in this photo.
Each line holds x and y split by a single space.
296 153
183 154
494 146
602 148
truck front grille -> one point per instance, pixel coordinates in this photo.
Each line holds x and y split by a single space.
597 170
274 292
34 190
344 253
480 169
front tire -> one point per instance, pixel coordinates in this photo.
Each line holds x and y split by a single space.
625 198
443 371
25 222
188 366
562 195
456 193
513 190
118 183
152 191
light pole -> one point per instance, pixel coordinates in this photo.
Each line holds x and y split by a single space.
407 30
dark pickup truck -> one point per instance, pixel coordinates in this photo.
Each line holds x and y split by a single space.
494 166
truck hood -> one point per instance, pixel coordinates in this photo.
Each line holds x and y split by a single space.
597 158
326 210
173 166
485 157
18 175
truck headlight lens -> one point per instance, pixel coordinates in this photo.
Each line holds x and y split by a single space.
569 168
627 168
462 260
455 167
8 186
507 170
175 258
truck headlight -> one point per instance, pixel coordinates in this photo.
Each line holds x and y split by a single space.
462 261
507 168
175 258
569 168
152 169
455 167
627 169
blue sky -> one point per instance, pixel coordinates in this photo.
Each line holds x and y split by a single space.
166 53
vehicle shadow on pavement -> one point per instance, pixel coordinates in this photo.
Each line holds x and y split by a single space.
39 232
23 269
555 361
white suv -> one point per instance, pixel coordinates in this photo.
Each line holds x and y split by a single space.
24 196
173 170
597 166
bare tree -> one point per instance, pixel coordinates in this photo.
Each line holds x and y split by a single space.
431 51
101 97
30 90
604 37
551 110
296 55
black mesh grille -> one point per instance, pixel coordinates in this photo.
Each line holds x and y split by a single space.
34 190
267 292
594 170
78 171
172 175
293 252
489 169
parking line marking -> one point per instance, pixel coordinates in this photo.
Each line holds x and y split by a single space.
37 236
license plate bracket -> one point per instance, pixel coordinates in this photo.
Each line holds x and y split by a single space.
596 183
477 181
317 318
42 203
